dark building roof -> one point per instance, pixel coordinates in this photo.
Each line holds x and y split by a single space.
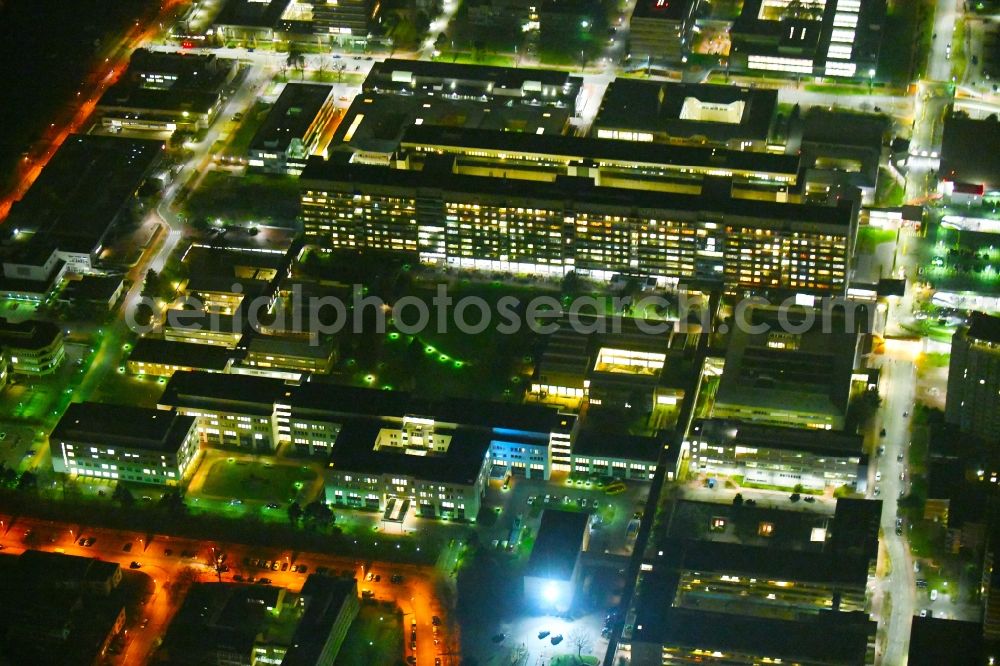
963 157
497 79
324 598
28 334
290 117
593 442
238 393
355 451
558 544
813 375
123 425
92 288
984 327
667 10
82 189
47 569
577 148
582 191
827 638
185 354
934 642
252 13
824 442
654 106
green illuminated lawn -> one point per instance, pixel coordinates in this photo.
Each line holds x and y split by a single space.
375 637
256 481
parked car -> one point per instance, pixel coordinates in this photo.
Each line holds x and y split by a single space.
134 565
557 639
127 547
543 634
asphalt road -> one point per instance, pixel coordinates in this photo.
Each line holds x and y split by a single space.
416 594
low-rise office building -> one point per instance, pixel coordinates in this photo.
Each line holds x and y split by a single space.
964 136
486 222
119 442
791 367
688 113
296 353
293 129
780 457
31 347
341 22
102 292
202 327
32 271
81 194
250 21
331 604
162 358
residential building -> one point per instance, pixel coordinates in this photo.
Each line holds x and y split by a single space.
733 117
973 401
119 442
776 456
792 366
165 92
552 577
659 30
549 228
31 347
833 38
293 129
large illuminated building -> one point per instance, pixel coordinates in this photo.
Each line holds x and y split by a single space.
489 222
742 585
659 30
835 38
778 457
791 367
974 378
293 129
552 577
124 443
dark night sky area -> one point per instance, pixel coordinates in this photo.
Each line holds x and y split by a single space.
46 48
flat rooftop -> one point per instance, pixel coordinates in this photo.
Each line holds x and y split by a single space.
82 189
183 354
290 346
123 425
984 327
251 13
654 106
964 138
582 191
499 80
324 597
291 116
595 442
808 371
756 435
27 334
354 451
557 545
92 288
378 122
666 10
567 148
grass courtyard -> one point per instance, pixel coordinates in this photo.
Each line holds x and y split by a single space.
375 637
260 481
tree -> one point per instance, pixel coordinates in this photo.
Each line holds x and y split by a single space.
738 499
294 513
318 513
296 59
172 501
123 496
571 284
581 640
151 287
27 482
